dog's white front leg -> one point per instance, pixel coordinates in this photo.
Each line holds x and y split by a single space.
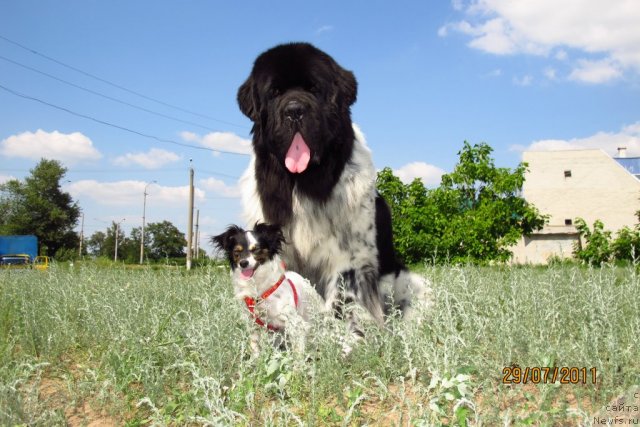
254 342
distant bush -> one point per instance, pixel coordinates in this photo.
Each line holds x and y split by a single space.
66 254
627 244
601 248
597 249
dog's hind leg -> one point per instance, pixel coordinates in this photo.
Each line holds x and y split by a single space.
408 293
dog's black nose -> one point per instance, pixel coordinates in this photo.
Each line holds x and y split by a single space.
244 263
294 111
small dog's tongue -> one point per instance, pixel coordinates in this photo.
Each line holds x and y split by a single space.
298 156
247 273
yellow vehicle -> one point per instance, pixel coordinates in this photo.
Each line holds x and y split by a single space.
41 263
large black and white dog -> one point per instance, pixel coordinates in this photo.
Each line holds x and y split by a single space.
313 174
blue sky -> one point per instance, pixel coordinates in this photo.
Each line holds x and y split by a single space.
516 74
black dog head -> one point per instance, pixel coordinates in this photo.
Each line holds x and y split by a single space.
299 99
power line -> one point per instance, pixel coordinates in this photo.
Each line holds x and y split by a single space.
168 141
163 170
143 171
77 70
146 110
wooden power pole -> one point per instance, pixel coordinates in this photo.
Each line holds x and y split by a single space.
190 219
197 235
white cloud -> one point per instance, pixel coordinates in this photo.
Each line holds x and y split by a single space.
595 71
602 32
628 136
130 192
561 55
429 174
67 148
153 159
324 29
190 136
523 81
224 141
550 73
219 187
457 4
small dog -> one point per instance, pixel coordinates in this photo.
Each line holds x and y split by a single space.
278 300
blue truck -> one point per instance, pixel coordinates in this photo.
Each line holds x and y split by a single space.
21 251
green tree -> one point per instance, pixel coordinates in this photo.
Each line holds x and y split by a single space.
109 244
166 241
597 249
134 238
626 246
96 244
475 214
38 206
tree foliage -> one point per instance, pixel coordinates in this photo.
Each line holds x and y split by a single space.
96 244
39 206
597 249
599 246
475 214
162 240
166 241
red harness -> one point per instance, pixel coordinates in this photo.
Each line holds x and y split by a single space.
251 303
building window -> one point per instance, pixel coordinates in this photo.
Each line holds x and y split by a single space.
568 222
567 174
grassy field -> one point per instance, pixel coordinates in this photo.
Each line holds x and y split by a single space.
116 346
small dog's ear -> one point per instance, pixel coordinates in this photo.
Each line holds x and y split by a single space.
246 99
225 240
220 241
270 235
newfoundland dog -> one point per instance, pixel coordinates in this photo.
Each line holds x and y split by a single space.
312 174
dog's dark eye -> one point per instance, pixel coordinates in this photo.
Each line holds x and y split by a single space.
273 92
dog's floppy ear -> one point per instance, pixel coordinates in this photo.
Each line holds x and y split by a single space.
270 235
246 100
225 241
345 86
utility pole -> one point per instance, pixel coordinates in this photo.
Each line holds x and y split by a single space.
197 238
115 257
190 218
81 236
144 209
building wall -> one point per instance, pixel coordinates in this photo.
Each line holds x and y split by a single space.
539 248
597 188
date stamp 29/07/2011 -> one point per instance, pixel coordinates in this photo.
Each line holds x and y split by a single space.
548 375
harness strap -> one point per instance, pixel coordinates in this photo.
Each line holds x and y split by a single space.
251 303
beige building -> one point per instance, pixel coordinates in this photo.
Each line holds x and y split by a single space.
579 183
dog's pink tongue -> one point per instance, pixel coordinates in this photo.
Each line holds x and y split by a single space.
246 274
298 156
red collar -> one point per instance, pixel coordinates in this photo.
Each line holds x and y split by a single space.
251 303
